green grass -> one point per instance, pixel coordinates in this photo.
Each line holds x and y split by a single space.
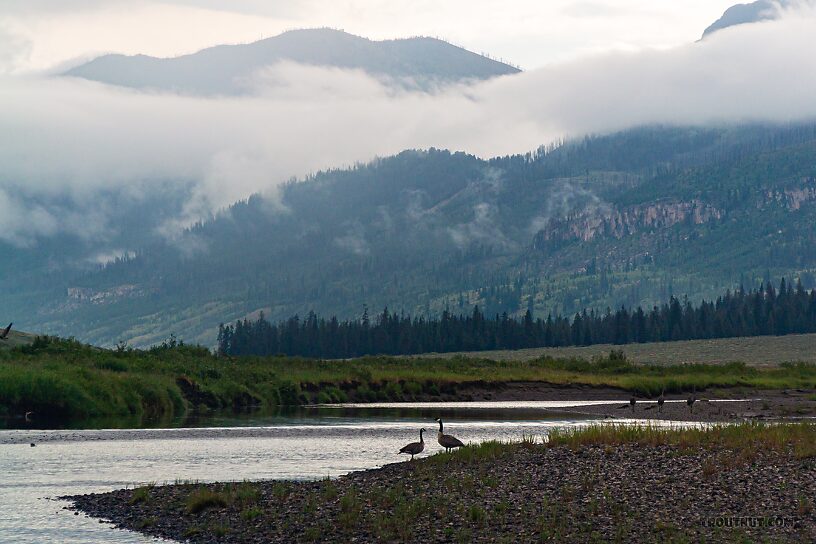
245 495
203 499
251 514
798 439
741 440
753 351
141 494
62 378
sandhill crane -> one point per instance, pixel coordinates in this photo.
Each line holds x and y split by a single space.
692 398
661 400
415 448
447 441
6 331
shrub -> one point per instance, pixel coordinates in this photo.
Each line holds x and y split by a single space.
289 393
112 365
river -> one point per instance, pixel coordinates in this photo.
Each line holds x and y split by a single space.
307 443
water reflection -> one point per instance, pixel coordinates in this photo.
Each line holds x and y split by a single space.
311 442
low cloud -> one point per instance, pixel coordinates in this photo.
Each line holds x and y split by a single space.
483 229
354 241
65 144
564 198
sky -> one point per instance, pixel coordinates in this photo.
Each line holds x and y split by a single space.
72 151
42 34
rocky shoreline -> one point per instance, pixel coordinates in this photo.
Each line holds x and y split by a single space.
712 405
715 406
524 492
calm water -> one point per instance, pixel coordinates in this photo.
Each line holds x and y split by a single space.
310 443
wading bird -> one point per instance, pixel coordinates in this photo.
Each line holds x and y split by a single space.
661 400
692 398
415 448
6 331
445 440
632 403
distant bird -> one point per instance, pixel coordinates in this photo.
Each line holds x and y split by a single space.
632 402
28 416
447 441
692 398
661 400
32 444
6 331
415 448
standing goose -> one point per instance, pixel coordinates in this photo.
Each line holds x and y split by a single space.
415 448
661 399
447 441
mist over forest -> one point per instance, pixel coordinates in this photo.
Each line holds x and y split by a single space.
274 176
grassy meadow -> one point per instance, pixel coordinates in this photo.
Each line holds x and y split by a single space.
753 351
66 379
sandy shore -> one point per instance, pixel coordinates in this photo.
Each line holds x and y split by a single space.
514 494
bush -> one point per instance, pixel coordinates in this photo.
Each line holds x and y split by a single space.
393 391
289 393
112 365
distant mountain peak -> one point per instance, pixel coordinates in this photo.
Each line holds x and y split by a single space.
225 69
741 14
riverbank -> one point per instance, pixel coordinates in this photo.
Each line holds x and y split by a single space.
65 379
732 484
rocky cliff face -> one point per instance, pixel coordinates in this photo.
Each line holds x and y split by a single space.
792 198
86 295
617 223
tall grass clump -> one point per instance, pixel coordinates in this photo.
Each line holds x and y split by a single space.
203 498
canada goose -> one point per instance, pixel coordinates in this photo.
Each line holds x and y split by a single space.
660 400
6 331
692 398
28 416
445 440
415 448
632 402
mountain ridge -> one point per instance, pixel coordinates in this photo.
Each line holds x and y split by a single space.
629 218
228 69
741 14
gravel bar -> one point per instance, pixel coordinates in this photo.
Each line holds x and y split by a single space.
517 493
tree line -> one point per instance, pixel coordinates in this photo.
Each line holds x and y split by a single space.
760 312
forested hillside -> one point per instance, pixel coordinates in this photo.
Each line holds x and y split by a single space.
626 219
